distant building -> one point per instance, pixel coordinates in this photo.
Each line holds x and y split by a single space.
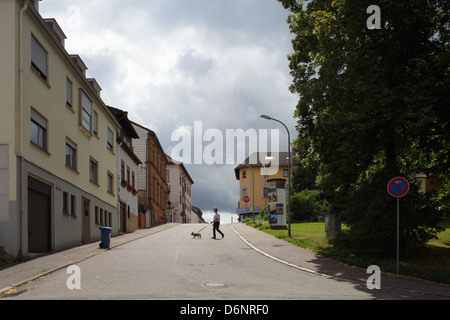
428 184
58 153
199 214
180 188
253 175
152 176
128 163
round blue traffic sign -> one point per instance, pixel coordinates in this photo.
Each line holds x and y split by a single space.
398 187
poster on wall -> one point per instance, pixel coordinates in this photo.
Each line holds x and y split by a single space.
272 193
277 203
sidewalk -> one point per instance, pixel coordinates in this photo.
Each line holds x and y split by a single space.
16 275
308 261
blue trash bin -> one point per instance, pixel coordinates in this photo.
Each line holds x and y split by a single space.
105 237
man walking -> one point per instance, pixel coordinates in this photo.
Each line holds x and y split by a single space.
216 223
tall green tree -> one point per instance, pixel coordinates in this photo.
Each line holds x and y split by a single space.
372 101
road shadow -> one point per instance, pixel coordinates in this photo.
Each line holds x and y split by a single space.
391 287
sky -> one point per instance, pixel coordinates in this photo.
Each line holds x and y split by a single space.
190 70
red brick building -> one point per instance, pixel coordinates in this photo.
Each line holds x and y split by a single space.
152 176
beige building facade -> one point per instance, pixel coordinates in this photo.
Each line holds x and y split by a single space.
58 152
180 193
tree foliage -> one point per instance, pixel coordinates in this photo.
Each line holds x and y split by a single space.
308 205
372 101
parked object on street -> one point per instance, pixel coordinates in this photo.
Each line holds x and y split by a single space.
105 237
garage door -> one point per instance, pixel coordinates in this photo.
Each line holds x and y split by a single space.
39 212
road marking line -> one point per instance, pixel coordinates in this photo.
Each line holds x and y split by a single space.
288 263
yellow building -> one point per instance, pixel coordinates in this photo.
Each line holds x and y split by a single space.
428 184
58 164
254 174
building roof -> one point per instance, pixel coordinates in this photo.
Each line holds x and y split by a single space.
150 133
171 161
198 212
122 118
264 159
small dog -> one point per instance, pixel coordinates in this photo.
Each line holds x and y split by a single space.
196 235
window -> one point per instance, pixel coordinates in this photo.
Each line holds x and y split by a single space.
97 220
38 59
86 111
122 171
73 201
71 154
38 130
65 203
110 183
69 93
69 206
93 171
244 174
244 192
265 192
110 143
95 123
285 172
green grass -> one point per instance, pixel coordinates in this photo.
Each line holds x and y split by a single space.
432 264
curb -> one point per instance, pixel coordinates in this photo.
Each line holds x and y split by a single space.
288 263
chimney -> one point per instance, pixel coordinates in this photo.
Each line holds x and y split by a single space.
56 29
95 85
76 58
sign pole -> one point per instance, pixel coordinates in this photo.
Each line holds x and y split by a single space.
398 188
398 236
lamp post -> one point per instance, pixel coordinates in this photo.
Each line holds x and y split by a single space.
253 188
289 170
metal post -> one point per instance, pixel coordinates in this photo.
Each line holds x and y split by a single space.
253 188
398 235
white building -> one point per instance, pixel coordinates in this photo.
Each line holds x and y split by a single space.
127 164
180 187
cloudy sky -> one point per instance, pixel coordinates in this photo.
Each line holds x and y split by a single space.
176 63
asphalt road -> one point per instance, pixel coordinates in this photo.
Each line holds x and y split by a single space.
172 265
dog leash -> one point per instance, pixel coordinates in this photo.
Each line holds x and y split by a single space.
204 228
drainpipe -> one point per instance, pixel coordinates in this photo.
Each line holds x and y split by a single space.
24 8
22 183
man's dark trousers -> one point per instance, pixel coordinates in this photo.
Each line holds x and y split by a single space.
216 227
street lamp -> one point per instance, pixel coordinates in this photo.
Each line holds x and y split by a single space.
289 170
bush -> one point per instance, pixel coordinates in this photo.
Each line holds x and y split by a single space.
264 213
308 205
